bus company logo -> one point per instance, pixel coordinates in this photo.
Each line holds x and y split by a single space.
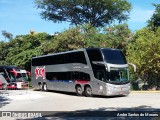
40 72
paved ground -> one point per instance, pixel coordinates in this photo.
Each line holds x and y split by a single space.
28 100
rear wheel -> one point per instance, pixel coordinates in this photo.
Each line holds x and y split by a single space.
79 91
88 91
45 87
40 87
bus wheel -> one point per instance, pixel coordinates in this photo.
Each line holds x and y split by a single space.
40 87
88 91
4 87
79 91
45 87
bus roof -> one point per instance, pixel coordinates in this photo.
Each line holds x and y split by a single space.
58 53
83 49
9 67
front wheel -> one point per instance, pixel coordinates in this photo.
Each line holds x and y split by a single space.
4 86
88 91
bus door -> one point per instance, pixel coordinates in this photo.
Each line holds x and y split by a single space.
5 74
99 83
2 81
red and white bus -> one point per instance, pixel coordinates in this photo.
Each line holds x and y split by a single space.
12 77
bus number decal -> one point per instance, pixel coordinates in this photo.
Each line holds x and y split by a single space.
40 72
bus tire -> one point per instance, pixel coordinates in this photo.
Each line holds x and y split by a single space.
40 87
79 91
88 91
45 87
4 86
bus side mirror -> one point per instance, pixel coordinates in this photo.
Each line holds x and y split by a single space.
133 65
28 73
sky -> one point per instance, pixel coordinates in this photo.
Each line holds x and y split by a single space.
20 16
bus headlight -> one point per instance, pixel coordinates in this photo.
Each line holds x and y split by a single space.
128 86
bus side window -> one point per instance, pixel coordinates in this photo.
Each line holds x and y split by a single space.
54 78
80 76
50 76
75 76
84 76
100 75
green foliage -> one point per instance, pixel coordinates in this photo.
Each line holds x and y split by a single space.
154 21
96 12
144 52
22 48
88 36
74 38
119 36
93 36
3 50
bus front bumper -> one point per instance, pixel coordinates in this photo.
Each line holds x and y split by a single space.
120 90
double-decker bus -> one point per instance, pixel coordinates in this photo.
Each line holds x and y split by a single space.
88 71
12 77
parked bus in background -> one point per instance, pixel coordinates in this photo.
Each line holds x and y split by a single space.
3 82
15 77
89 71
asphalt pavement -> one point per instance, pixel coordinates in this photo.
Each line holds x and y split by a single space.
68 105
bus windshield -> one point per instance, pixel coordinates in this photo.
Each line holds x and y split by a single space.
114 56
21 77
25 76
118 75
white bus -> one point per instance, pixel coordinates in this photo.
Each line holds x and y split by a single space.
88 71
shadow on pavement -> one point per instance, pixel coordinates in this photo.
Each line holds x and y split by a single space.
104 114
74 94
3 100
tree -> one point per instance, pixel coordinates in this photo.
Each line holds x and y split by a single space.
154 22
7 34
119 36
83 36
96 12
3 50
23 47
144 52
93 36
70 39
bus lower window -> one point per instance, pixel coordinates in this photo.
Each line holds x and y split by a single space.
67 76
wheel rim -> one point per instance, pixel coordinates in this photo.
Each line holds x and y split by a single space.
40 86
88 91
45 87
79 90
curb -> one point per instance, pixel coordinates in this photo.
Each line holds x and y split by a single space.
153 91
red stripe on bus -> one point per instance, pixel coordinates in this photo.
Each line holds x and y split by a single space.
82 81
10 86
